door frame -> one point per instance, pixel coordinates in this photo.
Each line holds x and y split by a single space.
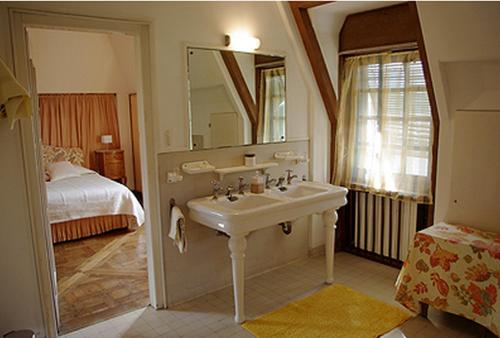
20 19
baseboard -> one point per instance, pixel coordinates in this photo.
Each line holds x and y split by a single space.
317 251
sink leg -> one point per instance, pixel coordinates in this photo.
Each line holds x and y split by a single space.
237 246
329 218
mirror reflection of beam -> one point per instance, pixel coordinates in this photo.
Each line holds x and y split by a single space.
242 89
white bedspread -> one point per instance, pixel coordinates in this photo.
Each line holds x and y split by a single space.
90 195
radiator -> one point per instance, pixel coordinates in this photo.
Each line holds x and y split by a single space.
384 226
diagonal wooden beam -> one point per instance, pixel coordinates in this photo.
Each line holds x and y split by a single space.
318 65
242 89
309 4
432 101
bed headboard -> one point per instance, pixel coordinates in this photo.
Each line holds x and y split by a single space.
52 154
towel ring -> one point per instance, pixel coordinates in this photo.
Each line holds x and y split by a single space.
172 203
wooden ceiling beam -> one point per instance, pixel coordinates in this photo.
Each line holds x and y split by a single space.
318 65
313 51
432 101
309 4
242 89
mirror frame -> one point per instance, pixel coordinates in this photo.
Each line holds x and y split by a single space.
188 118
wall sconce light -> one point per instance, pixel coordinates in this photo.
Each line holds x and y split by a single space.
242 42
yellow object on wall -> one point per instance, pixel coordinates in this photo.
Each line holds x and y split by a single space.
14 99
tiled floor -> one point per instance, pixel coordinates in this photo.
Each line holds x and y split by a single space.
212 314
101 277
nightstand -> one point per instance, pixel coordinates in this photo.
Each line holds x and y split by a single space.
110 163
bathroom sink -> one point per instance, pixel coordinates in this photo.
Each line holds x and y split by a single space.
252 212
300 190
255 211
223 205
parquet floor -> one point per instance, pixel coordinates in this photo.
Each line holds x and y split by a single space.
101 277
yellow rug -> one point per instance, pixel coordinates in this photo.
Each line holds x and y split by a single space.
336 311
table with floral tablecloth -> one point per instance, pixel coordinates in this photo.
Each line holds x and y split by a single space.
455 269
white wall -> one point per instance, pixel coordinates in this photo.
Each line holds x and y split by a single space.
246 62
19 295
204 102
206 266
175 24
458 32
476 170
172 26
86 62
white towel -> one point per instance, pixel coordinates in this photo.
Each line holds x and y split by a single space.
14 99
178 229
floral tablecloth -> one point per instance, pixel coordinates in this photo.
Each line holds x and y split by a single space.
455 269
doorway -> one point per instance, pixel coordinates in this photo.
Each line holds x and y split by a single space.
110 247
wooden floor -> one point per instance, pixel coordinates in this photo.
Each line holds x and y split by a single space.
101 277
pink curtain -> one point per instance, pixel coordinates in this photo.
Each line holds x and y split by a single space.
79 120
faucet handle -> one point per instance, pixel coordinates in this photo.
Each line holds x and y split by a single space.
241 185
216 188
289 171
269 181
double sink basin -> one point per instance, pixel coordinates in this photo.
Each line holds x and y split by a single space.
255 211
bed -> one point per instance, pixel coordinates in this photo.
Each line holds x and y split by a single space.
82 203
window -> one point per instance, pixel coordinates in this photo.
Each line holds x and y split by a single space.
272 114
385 115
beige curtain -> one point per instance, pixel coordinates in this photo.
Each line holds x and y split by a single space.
79 120
271 127
384 135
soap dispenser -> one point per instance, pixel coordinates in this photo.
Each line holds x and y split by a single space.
257 184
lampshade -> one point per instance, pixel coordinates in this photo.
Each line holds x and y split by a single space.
106 139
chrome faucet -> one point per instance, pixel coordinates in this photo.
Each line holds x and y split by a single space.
269 181
216 189
241 185
290 177
229 193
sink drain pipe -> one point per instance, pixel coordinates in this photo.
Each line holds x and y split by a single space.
286 227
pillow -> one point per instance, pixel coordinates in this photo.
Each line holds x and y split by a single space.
64 169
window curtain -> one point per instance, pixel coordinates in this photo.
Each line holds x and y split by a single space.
271 126
384 133
79 120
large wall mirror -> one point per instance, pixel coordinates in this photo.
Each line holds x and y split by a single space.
235 98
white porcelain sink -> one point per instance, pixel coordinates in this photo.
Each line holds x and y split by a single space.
256 211
300 190
223 206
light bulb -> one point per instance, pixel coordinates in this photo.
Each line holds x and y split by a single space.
242 41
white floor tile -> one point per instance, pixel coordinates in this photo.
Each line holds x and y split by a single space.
212 315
